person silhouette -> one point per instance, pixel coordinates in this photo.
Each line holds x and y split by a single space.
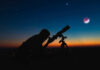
33 45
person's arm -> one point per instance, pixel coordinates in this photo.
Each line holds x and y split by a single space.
49 41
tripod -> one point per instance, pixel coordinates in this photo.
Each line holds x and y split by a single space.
63 45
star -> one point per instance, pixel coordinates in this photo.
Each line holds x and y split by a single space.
67 3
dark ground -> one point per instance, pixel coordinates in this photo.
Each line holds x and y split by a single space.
55 58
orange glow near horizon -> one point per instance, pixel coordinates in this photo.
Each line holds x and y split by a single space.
70 42
10 44
85 42
78 42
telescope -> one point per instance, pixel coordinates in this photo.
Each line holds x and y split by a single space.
58 34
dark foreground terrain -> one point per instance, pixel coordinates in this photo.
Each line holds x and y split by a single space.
54 58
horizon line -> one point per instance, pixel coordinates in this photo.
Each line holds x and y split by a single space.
75 46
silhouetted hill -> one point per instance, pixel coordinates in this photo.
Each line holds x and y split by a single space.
82 57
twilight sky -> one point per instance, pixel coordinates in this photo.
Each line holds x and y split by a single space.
20 19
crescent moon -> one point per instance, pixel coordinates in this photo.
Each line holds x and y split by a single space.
86 20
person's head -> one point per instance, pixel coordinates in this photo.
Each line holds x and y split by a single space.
44 34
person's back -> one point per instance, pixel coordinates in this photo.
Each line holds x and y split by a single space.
33 45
